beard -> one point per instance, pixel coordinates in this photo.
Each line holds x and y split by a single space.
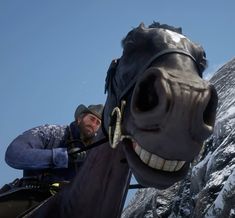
86 131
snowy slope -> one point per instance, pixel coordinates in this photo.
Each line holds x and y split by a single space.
209 189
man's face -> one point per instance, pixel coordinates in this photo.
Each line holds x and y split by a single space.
89 125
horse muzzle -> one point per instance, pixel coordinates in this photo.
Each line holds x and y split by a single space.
173 112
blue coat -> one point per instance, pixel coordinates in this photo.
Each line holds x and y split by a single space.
42 152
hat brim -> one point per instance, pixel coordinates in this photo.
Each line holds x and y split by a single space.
87 111
82 109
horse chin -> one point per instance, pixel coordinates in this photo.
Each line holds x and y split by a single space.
153 171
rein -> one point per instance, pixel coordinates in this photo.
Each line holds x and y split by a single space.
93 145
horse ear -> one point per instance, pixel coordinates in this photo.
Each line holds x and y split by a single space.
142 26
203 62
110 74
200 56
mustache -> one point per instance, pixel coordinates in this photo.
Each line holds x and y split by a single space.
89 127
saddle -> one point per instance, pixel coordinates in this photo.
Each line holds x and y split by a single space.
30 184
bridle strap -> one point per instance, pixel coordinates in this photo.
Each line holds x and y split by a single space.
158 55
117 136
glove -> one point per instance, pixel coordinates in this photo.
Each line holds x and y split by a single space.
75 157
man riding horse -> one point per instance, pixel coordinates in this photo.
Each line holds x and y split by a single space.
49 159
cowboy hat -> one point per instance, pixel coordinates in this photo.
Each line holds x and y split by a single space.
91 109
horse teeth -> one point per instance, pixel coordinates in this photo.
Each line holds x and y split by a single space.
180 164
160 163
170 165
137 148
145 156
156 162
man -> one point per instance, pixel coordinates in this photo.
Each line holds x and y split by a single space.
49 159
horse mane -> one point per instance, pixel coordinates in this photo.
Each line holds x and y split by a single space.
165 26
130 37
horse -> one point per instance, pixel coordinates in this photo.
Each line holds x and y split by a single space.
157 114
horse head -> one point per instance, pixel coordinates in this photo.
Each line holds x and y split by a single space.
158 106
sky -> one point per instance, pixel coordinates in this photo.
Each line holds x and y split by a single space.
54 54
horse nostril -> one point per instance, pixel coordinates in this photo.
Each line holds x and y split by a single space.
146 98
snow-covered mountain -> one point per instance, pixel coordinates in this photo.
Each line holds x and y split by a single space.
209 189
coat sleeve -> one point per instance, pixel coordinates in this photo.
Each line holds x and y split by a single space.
38 148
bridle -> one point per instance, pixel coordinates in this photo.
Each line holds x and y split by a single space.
114 129
114 135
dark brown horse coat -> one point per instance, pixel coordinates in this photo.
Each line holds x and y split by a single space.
99 189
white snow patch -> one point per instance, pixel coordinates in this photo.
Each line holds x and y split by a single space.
175 36
231 110
218 204
201 164
230 149
47 130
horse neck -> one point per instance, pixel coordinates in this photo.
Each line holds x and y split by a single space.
102 183
98 190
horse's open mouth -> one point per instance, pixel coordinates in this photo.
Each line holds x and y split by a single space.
151 170
156 162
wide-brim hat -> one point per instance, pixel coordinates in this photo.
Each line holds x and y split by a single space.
96 110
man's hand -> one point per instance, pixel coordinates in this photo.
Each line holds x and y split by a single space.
76 157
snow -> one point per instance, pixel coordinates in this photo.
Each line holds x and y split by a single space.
201 164
47 131
231 111
175 36
218 204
